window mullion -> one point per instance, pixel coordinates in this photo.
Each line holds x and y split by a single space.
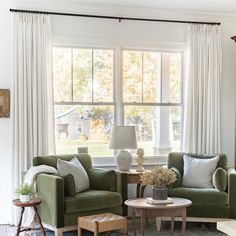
92 75
161 73
142 75
72 76
119 108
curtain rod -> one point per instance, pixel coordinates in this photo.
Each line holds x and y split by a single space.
119 18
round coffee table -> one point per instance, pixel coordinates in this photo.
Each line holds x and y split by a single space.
176 209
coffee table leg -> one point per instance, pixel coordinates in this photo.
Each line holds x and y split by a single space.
172 225
133 220
142 221
184 214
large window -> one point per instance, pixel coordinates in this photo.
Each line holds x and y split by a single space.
84 100
89 96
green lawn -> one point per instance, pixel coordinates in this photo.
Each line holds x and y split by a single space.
98 148
95 148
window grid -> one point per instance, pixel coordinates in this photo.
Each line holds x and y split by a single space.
117 70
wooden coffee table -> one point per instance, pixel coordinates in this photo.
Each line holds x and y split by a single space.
176 209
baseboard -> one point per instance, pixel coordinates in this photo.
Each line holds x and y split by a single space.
199 219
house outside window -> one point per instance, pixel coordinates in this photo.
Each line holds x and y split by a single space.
92 93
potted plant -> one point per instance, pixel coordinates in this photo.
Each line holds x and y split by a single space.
25 191
159 178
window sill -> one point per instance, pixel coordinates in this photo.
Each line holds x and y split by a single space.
110 161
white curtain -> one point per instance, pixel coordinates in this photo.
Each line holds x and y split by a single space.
32 98
202 126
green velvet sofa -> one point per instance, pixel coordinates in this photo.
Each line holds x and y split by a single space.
208 204
61 206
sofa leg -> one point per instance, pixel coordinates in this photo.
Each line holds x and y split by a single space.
58 232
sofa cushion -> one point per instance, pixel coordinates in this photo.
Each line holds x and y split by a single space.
198 172
75 168
220 179
200 196
92 200
175 159
102 179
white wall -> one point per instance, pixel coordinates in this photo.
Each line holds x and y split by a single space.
5 140
228 87
90 32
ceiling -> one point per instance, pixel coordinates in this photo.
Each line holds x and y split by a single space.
220 6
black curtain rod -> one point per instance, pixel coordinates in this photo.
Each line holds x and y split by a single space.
119 18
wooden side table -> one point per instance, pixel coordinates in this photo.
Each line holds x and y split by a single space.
33 203
133 177
102 223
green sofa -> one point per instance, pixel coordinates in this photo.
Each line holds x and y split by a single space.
61 206
208 204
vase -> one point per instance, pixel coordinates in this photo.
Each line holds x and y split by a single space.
159 193
123 160
25 198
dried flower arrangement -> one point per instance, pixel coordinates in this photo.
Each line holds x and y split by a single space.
159 177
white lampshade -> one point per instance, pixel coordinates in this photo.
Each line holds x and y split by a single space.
123 137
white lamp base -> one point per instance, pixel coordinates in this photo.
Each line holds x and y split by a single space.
123 160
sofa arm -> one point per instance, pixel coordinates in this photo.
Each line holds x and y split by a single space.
232 192
121 187
50 189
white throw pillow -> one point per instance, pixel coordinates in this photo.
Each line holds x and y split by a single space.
198 172
75 168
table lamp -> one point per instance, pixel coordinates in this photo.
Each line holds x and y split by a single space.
123 137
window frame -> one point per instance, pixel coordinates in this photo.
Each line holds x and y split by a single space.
87 103
118 103
156 104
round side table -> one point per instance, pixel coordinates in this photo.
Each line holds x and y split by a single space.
32 203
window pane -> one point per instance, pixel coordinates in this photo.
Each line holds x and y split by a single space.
82 75
175 77
151 76
84 126
62 74
158 128
132 76
103 76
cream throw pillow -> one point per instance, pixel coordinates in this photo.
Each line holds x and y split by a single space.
198 172
75 168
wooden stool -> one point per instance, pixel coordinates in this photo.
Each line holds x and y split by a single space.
32 203
101 223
